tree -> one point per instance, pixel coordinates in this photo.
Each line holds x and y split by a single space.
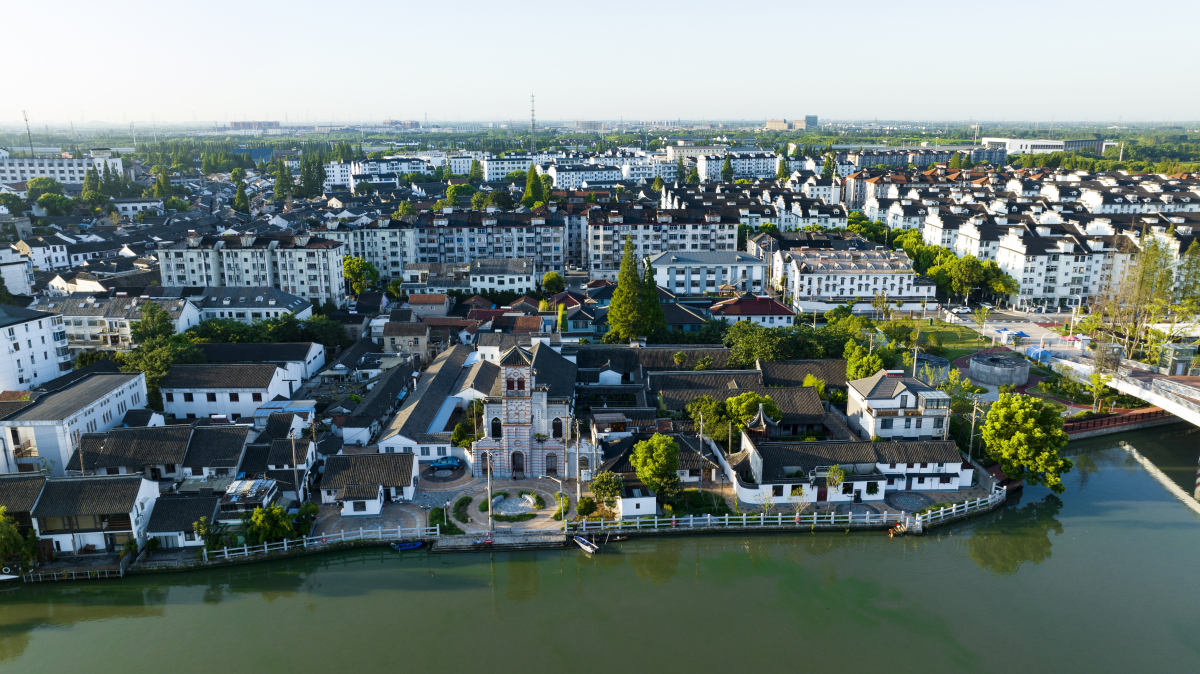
305 518
835 475
608 487
693 178
679 358
237 175
36 187
829 168
548 187
155 323
1098 385
749 341
56 205
241 203
553 283
782 173
657 461
86 358
402 209
360 275
154 358
267 525
727 169
861 362
811 380
13 203
980 317
703 364
654 319
680 170
1024 436
475 173
500 199
11 543
624 313
283 180
533 188
966 275
514 176
658 184
1188 273
455 191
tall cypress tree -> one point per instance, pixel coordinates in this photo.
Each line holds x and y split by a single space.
241 203
653 318
680 171
727 170
533 188
782 173
283 180
625 311
828 169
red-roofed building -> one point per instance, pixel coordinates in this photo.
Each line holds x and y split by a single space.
429 305
747 307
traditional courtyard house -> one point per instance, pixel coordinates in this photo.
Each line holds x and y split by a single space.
291 460
223 391
420 427
783 471
18 494
157 452
892 405
174 519
786 373
216 451
364 483
430 305
94 514
527 416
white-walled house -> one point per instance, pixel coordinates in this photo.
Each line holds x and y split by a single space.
892 405
637 500
229 391
783 471
706 271
42 434
364 483
174 518
102 512
300 360
765 311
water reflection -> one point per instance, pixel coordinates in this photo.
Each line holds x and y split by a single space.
61 604
522 576
655 561
1016 536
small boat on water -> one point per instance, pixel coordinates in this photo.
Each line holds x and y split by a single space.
588 546
5 576
412 545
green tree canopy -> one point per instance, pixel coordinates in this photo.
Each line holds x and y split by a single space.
553 283
656 461
727 169
607 486
237 175
533 188
154 324
36 187
241 203
56 205
360 275
1024 435
624 313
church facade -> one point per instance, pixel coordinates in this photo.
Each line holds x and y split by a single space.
527 416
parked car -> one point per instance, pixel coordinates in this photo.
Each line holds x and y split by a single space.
447 463
960 310
988 305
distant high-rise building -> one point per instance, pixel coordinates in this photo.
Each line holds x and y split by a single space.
778 125
810 121
253 125
590 126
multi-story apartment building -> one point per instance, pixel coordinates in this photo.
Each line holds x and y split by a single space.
649 169
35 348
574 176
98 323
378 242
338 175
501 274
495 168
818 280
42 433
653 231
1058 266
397 165
744 164
455 236
301 264
708 272
67 171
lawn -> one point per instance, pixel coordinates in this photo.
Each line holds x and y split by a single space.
694 503
438 516
957 341
460 509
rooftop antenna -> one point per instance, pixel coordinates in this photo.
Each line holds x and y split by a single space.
28 133
532 124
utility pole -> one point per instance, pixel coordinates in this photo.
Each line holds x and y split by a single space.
295 469
974 416
491 522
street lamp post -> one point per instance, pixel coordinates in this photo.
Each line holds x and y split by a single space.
426 509
560 493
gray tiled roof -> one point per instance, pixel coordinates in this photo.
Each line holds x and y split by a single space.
706 379
67 401
19 492
808 455
112 494
552 370
792 372
180 513
133 447
793 402
627 359
880 385
219 376
216 447
481 376
421 407
388 470
253 352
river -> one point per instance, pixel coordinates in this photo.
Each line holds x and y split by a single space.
1099 579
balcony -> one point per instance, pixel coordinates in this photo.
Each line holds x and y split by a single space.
516 394
26 450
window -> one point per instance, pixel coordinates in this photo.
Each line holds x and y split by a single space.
908 423
944 480
885 423
189 535
212 397
424 451
777 490
170 397
919 422
256 397
937 423
360 506
233 397
848 488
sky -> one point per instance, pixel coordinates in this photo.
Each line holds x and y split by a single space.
302 61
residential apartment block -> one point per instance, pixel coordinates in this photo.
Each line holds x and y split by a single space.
34 347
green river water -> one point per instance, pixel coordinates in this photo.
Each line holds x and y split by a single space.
1099 579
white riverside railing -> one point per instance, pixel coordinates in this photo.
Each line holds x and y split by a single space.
782 520
324 541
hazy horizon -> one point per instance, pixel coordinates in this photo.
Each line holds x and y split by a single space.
938 62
